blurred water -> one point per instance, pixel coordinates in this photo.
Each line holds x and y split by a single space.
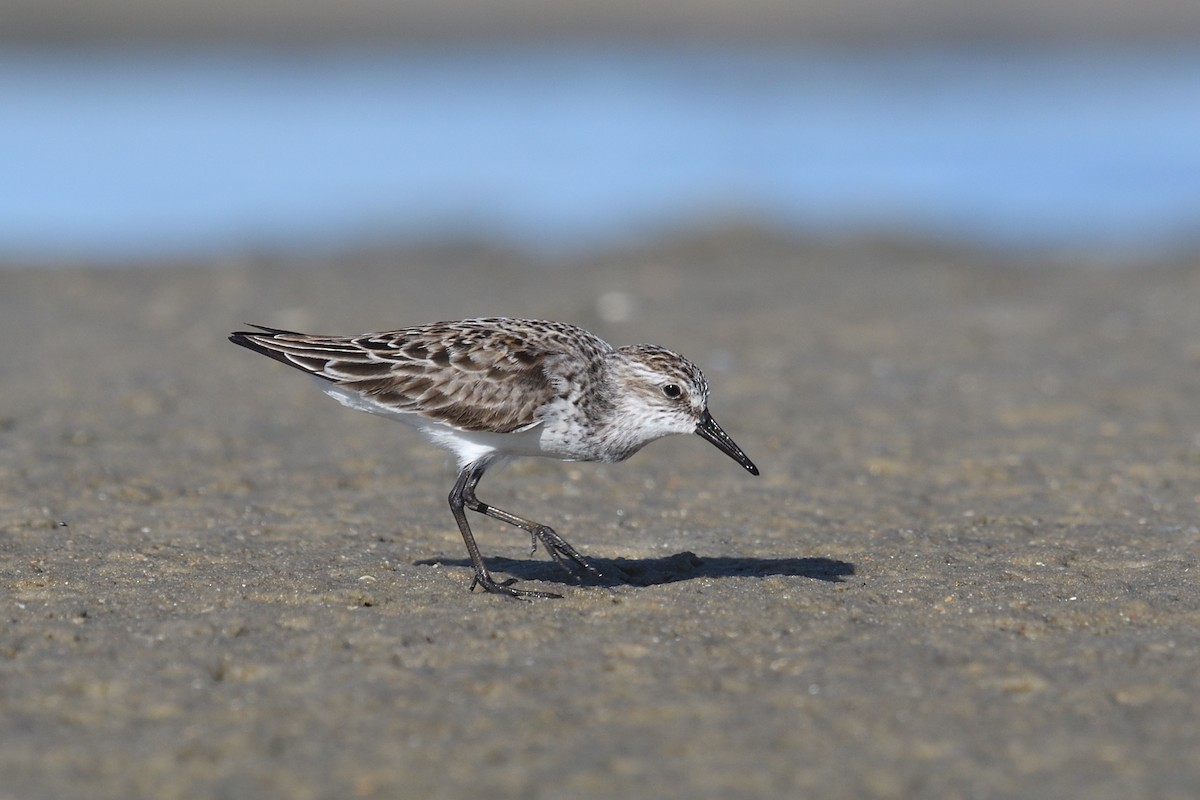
117 155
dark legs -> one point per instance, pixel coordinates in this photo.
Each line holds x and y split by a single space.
462 496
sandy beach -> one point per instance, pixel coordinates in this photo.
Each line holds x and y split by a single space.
969 568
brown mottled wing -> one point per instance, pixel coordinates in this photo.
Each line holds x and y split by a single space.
480 375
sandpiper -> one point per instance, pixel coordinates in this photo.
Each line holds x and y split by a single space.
495 388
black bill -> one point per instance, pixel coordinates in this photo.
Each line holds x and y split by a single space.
710 430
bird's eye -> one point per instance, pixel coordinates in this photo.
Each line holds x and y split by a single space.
672 391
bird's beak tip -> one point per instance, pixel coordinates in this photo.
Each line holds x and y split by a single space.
709 430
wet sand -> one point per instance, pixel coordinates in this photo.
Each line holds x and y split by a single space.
969 568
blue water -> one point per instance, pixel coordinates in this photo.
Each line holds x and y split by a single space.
112 155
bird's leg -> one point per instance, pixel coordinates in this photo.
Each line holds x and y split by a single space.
559 548
463 494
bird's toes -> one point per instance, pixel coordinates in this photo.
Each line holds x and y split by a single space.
489 584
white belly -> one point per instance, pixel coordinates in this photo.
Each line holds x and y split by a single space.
467 446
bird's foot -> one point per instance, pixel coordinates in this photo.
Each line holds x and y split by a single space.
560 550
485 581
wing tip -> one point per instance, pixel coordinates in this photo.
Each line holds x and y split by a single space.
264 329
261 342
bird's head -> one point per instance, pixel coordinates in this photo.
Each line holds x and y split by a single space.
663 393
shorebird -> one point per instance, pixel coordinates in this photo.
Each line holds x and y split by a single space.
496 388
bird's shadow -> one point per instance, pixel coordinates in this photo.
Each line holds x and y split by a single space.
684 566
